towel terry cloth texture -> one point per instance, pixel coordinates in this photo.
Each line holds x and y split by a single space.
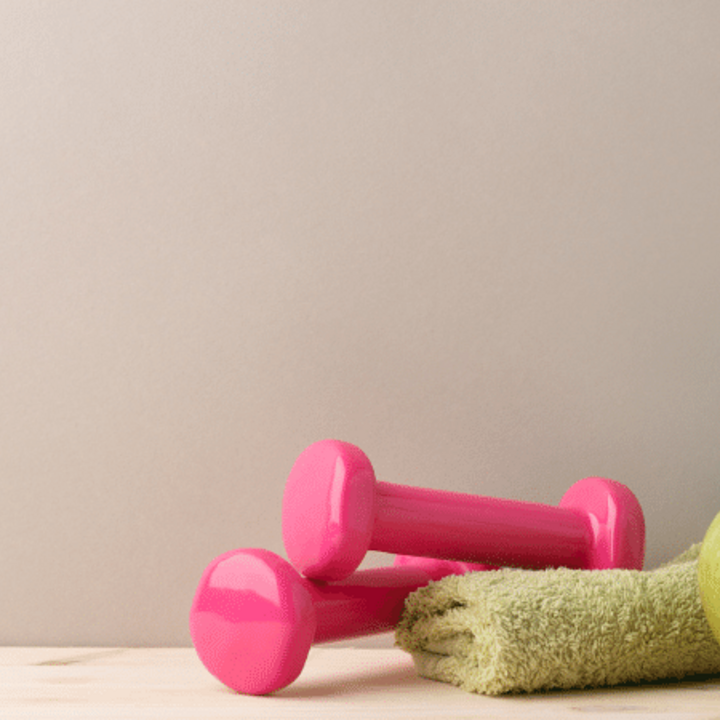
514 630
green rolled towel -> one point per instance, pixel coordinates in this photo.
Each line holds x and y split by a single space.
526 630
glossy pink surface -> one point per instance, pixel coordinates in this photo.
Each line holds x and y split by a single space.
334 512
616 521
477 529
328 509
438 569
254 618
252 621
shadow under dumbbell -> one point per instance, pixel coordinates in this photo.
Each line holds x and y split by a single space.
321 680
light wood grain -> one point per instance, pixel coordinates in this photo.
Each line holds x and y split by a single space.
139 684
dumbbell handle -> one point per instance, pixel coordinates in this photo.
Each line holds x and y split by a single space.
366 603
411 520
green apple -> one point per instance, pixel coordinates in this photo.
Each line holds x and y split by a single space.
709 575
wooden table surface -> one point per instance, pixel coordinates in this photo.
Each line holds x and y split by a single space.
337 682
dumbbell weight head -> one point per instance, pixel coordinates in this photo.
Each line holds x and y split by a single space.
615 519
328 509
252 621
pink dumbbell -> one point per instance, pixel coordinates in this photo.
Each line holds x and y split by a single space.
254 618
334 511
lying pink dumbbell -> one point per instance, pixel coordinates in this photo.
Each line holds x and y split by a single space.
254 618
334 511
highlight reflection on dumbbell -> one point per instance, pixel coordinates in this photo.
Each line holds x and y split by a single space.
334 511
254 618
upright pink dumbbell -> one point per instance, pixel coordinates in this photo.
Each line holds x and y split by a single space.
334 511
254 618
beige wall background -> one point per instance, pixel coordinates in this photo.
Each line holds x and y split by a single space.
481 240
